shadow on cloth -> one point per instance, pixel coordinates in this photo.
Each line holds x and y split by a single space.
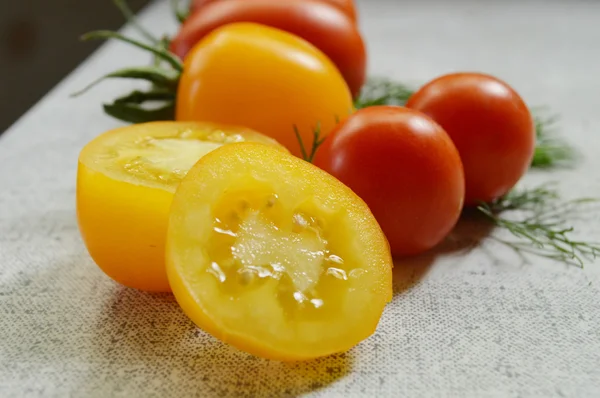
150 333
467 235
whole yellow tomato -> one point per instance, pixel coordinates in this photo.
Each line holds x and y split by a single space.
266 79
126 179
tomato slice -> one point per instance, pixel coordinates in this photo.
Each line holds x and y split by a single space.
125 184
274 256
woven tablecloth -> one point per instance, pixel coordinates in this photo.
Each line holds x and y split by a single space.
464 322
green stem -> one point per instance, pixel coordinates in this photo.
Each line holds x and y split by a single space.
541 225
130 17
317 141
139 97
164 43
134 113
165 55
158 77
301 143
180 14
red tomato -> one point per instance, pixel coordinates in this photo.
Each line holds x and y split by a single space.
322 25
345 5
490 125
405 167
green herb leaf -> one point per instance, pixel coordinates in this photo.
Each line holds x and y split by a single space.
528 199
163 44
139 97
550 151
157 76
540 225
301 143
317 142
130 17
180 14
383 91
134 113
170 58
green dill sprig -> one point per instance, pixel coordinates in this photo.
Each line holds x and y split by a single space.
531 199
550 151
181 13
382 91
130 18
155 49
540 224
155 103
316 143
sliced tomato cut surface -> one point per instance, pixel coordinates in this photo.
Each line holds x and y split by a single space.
125 184
271 254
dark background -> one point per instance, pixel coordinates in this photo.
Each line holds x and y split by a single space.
39 45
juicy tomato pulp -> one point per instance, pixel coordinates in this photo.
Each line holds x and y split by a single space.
322 25
405 167
269 80
275 256
126 179
490 125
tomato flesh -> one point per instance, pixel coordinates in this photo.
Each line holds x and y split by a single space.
276 257
125 184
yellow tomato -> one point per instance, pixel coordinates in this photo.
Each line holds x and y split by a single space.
264 78
274 256
126 179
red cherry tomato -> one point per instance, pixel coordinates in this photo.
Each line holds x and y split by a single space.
345 5
405 167
322 25
490 125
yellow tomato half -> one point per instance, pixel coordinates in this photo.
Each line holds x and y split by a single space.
126 179
264 78
274 256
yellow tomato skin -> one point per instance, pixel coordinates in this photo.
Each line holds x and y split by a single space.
123 218
248 322
124 226
266 79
